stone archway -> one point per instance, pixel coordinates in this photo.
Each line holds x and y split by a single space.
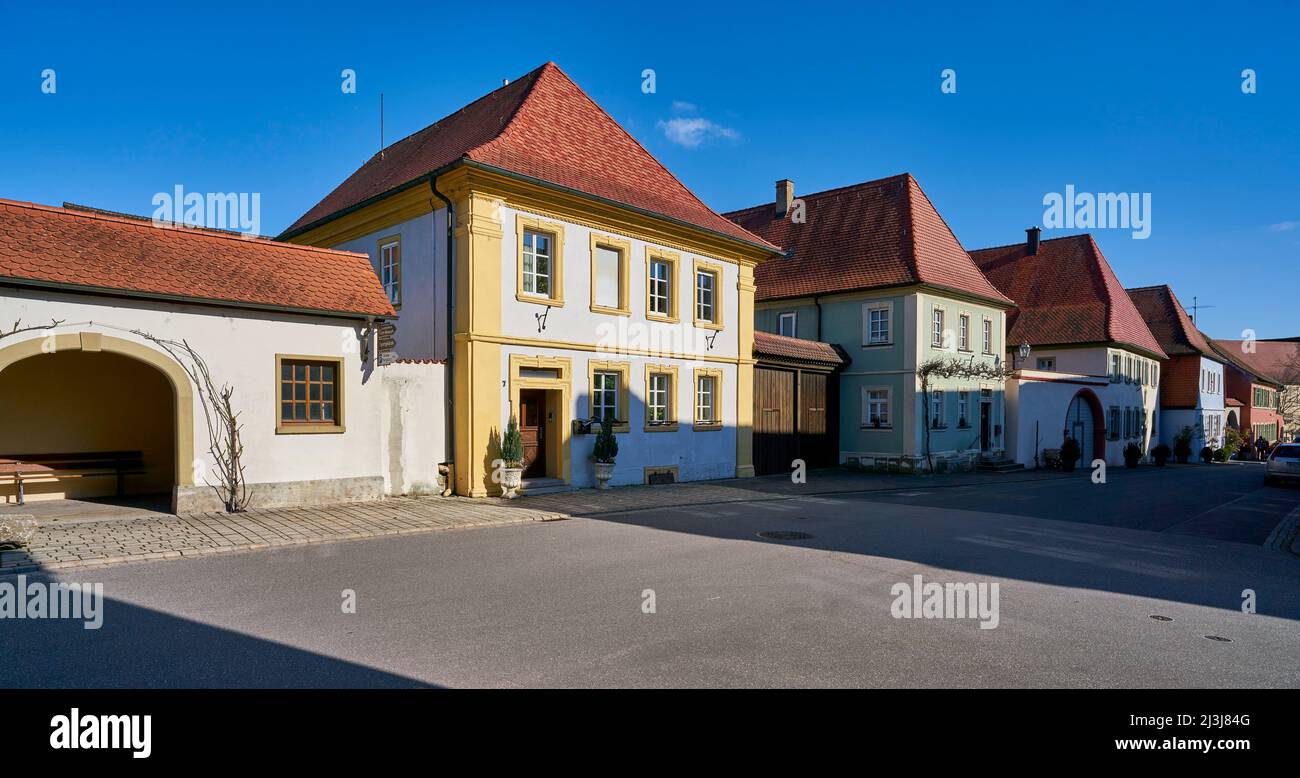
181 390
1085 400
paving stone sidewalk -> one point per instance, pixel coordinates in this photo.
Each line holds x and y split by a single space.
161 536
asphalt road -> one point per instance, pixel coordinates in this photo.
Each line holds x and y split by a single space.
561 604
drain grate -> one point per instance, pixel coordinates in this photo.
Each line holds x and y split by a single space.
1161 618
780 534
1218 638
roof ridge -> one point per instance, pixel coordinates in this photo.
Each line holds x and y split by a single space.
146 222
1042 241
1102 265
836 190
540 70
909 214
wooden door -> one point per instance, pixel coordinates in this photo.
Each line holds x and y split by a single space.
986 422
817 439
532 428
774 420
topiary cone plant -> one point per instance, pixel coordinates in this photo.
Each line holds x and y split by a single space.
604 453
1070 454
512 457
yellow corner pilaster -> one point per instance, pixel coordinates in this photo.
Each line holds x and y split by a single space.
745 373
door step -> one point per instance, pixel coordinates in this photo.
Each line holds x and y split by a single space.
999 466
536 486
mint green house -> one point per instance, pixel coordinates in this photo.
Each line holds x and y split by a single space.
874 269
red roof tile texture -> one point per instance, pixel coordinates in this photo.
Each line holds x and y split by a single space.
1066 293
767 344
542 126
875 234
45 245
1170 323
1276 360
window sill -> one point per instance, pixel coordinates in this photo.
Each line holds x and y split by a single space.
881 428
882 344
611 311
553 302
708 426
309 429
662 318
705 324
666 427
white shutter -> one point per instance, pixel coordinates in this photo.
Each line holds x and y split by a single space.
606 279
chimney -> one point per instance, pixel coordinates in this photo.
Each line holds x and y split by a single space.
784 197
1031 244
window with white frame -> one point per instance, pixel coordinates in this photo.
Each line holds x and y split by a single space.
878 324
538 259
786 324
390 269
706 282
1114 368
604 395
608 263
936 328
661 287
875 407
706 399
963 409
1047 363
1114 423
964 325
936 409
988 336
659 399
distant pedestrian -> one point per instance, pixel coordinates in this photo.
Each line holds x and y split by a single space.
1261 446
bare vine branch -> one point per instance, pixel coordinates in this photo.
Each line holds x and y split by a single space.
953 367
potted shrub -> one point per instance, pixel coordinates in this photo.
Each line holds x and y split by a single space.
1161 454
604 453
1207 454
1183 446
1070 454
1132 454
512 456
1221 454
875 422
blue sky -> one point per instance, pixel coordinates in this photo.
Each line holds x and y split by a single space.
1131 97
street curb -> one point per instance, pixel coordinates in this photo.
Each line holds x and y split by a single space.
1286 534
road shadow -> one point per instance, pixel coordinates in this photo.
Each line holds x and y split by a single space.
179 653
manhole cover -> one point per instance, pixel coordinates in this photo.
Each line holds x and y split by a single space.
1218 638
784 535
1161 618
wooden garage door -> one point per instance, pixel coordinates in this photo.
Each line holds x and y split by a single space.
774 417
817 442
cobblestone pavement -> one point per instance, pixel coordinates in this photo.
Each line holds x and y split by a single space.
160 536
81 543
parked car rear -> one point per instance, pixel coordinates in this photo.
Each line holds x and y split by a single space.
1283 464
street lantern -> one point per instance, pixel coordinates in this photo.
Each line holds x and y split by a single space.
1024 351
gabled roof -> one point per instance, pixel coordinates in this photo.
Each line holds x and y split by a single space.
876 234
1277 361
1170 323
544 127
1066 293
96 252
767 344
1231 355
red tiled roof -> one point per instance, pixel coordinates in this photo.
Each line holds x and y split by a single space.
41 244
1066 293
1169 322
1275 360
781 346
879 233
542 126
1231 356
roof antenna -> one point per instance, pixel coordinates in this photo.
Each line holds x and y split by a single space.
381 125
1196 307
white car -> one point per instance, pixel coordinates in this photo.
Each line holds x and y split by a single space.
1283 464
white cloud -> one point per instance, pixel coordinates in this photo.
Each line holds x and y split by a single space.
1284 226
681 106
695 131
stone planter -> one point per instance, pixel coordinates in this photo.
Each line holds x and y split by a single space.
511 479
604 472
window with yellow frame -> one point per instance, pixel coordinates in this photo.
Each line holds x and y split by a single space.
539 261
661 285
609 275
608 392
708 399
708 295
661 398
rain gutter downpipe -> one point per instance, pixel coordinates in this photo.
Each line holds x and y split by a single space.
450 391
